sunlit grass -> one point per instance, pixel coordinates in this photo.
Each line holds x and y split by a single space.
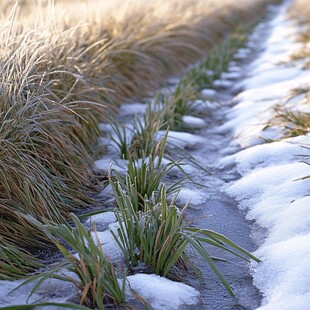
292 123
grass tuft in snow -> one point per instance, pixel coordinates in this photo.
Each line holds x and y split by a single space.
157 236
144 177
93 273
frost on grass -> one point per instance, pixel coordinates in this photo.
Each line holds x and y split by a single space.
162 293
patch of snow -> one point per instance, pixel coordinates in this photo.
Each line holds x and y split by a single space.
161 293
109 245
104 164
105 127
180 139
264 155
242 53
194 122
194 197
104 218
204 105
271 188
232 68
223 83
208 93
132 108
174 80
234 75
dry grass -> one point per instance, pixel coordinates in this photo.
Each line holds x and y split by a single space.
292 123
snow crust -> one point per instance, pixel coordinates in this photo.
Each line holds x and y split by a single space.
104 218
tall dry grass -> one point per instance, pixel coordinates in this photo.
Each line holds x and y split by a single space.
64 65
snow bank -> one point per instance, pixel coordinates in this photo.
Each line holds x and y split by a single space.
271 189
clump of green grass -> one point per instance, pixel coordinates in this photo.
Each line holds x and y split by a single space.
144 176
157 236
211 67
151 230
176 105
140 140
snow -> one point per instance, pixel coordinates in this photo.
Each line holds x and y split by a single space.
180 139
271 189
194 122
105 163
104 218
232 75
264 155
162 293
242 53
109 245
133 108
269 82
204 105
268 190
193 196
233 68
208 93
223 83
